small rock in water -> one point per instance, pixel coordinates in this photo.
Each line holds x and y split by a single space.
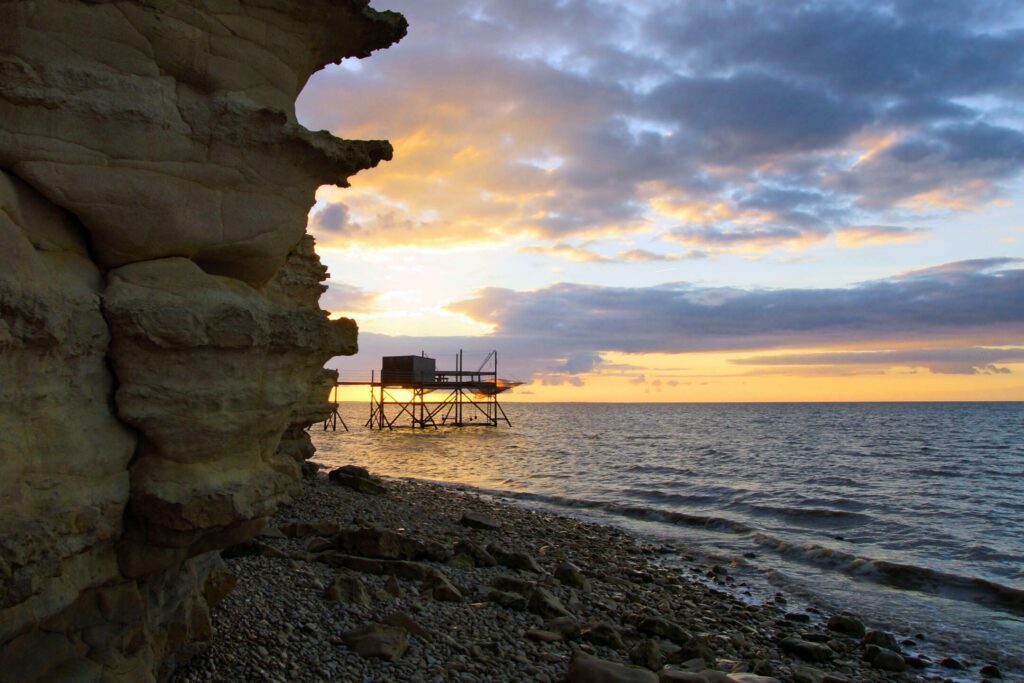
798 617
585 668
377 640
475 520
950 663
992 671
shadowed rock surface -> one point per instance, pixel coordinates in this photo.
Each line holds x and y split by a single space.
159 325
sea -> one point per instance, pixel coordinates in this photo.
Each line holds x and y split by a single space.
909 514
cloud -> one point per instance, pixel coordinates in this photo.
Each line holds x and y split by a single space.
977 298
550 121
866 235
970 360
343 298
582 254
745 239
567 251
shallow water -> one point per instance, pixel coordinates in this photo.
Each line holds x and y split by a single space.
910 514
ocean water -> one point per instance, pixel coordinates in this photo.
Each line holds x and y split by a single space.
910 514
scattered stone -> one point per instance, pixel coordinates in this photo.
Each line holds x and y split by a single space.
507 599
475 520
884 658
392 587
603 633
542 635
349 590
798 617
377 543
357 479
811 652
404 621
646 653
659 626
585 668
570 575
377 640
881 639
305 529
567 627
950 663
479 555
808 674
442 589
546 605
676 676
514 560
846 624
512 584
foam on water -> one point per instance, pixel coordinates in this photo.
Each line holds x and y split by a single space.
911 514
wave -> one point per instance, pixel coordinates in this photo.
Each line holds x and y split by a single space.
900 575
904 576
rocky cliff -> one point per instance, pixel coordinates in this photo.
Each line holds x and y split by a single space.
159 327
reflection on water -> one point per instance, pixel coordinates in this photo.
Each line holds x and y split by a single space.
911 513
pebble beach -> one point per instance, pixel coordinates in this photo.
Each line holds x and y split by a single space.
369 579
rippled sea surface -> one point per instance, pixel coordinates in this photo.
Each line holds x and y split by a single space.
910 514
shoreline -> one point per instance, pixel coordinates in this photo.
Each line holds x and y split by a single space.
407 558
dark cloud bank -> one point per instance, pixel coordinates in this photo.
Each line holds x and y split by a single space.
564 329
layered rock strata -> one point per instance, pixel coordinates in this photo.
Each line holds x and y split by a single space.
159 326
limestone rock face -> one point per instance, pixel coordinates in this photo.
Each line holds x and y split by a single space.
168 127
63 454
159 325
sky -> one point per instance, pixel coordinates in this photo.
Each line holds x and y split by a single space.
696 200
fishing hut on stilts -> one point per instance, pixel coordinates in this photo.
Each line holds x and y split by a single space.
410 391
